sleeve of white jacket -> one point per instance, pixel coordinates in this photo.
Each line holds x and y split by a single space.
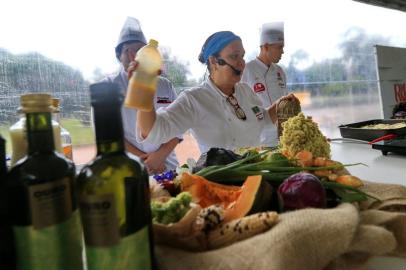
174 96
165 87
171 121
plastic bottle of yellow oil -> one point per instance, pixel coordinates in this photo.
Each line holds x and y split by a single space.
143 82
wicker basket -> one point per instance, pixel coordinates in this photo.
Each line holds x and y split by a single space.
285 109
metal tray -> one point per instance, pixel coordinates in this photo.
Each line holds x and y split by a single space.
355 132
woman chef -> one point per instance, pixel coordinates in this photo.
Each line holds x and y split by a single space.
222 112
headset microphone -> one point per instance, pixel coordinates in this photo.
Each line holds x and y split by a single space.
223 62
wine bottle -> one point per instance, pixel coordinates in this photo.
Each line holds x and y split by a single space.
114 193
40 197
18 138
7 255
3 165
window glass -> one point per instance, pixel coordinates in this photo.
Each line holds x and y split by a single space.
61 47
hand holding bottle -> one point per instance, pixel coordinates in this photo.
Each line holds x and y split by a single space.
132 67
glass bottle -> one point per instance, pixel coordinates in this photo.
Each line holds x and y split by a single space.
3 166
114 193
143 82
7 255
66 139
40 197
18 138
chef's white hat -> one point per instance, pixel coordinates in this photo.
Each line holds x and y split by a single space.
131 31
272 33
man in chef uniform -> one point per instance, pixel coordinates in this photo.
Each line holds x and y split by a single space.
157 158
265 77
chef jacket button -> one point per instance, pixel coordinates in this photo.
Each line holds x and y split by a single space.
229 119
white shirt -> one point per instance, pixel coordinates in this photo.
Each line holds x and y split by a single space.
269 83
212 120
164 96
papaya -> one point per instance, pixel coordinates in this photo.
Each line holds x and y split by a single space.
207 193
255 197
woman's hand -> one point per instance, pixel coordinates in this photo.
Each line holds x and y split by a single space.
272 110
154 162
290 97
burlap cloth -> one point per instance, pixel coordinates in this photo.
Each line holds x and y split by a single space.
344 237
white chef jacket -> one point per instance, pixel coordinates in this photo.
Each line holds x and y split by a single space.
164 96
211 119
269 83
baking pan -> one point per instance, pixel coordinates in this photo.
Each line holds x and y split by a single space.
355 131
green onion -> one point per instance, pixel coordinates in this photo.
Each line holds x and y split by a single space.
211 169
335 185
276 171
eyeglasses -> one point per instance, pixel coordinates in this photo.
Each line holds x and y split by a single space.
237 109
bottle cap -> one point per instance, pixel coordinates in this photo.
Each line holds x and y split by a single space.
39 102
153 42
105 93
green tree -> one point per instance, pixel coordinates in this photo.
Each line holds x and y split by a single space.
175 70
353 72
359 56
98 74
32 72
296 76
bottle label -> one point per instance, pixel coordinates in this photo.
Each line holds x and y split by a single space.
50 203
54 247
116 240
67 151
99 218
133 252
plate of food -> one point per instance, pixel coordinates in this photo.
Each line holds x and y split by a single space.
373 129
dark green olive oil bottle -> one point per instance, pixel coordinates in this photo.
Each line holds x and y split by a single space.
40 197
113 193
7 251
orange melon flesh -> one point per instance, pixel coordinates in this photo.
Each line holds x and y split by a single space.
207 193
242 206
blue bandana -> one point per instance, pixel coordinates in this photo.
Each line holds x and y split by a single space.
215 43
